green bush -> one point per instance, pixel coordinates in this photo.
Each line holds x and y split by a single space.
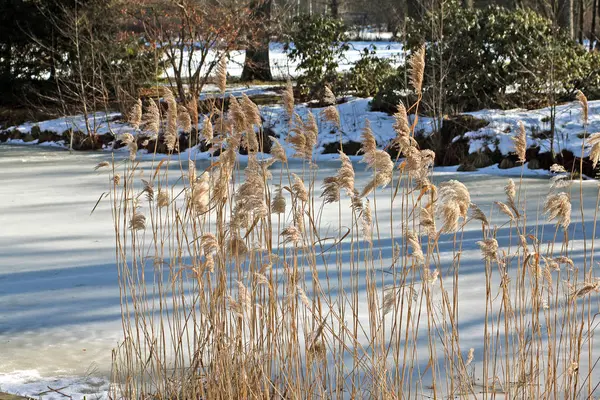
495 57
393 90
369 73
316 43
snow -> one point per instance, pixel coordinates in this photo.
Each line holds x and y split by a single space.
498 134
503 125
99 122
283 68
59 308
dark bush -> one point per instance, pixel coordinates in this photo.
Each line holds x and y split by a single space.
494 57
369 73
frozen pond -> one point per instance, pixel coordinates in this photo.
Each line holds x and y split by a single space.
59 298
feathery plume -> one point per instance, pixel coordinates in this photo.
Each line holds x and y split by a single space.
417 251
311 133
586 289
417 69
383 169
277 151
278 204
126 138
427 220
151 119
198 193
366 221
251 112
489 249
148 189
183 119
291 234
511 192
135 115
558 206
401 125
345 175
207 130
222 74
171 128
470 357
288 99
564 260
209 243
237 247
162 199
298 189
133 148
332 115
137 221
102 165
510 189
192 109
368 144
594 141
584 105
430 277
478 215
505 209
331 190
454 201
520 140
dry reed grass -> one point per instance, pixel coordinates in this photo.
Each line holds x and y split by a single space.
232 288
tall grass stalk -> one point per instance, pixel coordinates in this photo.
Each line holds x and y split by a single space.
245 279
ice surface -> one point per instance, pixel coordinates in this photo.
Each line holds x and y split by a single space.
59 297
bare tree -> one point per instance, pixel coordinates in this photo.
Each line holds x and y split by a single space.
193 34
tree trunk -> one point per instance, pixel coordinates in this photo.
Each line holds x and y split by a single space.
335 8
256 64
593 32
565 16
581 20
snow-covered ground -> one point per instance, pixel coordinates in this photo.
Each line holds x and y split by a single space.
283 68
498 134
59 297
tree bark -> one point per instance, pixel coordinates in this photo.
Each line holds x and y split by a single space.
335 8
256 64
565 16
593 31
581 20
